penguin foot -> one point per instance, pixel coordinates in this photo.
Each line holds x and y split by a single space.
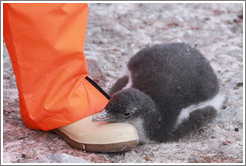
198 118
202 116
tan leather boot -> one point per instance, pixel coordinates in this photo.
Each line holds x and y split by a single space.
99 136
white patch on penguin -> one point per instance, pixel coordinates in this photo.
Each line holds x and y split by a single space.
138 123
216 102
127 72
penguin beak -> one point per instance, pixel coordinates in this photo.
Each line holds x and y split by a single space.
103 116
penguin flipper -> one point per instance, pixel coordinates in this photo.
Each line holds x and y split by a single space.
198 118
118 85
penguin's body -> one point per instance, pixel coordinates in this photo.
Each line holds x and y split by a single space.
167 91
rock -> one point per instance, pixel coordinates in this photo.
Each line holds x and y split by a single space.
94 71
59 158
240 84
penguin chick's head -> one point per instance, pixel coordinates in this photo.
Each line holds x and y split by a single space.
125 106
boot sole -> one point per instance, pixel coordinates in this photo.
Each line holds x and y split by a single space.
113 147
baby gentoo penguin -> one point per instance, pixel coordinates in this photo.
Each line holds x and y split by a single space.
167 91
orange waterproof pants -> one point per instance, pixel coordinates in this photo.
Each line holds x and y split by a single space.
46 46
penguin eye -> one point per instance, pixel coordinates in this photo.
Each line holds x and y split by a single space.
126 114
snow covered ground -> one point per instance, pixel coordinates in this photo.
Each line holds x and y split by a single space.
115 32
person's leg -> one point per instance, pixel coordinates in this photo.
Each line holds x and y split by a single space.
46 43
